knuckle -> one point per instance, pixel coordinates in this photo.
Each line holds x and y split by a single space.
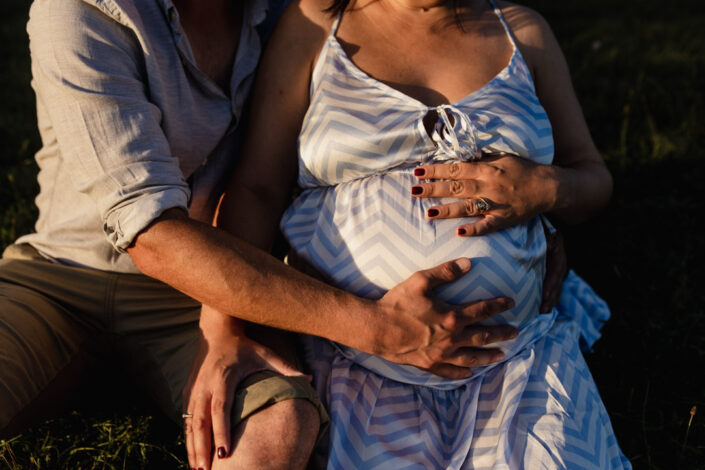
456 188
471 360
454 169
480 310
447 270
224 370
486 338
217 404
496 170
418 279
469 207
425 363
198 424
452 322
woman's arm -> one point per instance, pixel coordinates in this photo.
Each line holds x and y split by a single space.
584 184
260 187
257 194
408 325
576 186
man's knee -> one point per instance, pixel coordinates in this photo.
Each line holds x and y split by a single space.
281 436
276 423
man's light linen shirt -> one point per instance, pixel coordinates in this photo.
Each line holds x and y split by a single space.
130 126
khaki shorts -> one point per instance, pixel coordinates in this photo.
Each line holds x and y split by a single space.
56 319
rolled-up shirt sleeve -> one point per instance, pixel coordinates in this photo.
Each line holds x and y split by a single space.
89 73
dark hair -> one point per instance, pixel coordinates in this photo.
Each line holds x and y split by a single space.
337 7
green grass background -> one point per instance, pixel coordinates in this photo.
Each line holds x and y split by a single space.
638 68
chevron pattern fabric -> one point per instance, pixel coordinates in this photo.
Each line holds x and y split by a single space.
357 223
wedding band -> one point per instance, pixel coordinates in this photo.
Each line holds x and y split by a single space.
481 205
186 415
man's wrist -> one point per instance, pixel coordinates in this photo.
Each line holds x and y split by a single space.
385 333
368 327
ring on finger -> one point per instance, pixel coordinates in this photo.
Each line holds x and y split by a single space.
186 415
482 205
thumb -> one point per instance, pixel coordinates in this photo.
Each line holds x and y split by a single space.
446 272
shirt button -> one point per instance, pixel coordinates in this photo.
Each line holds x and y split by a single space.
172 15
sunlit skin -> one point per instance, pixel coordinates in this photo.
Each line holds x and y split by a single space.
408 325
230 275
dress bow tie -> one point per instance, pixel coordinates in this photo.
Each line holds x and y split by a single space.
455 135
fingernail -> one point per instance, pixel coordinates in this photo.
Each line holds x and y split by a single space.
463 264
432 212
462 231
416 190
221 452
419 172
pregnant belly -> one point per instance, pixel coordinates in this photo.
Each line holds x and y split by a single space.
368 235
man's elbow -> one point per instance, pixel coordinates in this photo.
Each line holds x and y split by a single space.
144 256
149 249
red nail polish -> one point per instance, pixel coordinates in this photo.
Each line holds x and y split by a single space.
416 190
419 172
462 231
221 452
432 212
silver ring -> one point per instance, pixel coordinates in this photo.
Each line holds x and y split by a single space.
481 205
186 415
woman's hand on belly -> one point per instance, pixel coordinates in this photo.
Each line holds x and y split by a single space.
438 337
516 190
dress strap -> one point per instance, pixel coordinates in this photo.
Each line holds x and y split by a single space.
499 14
336 24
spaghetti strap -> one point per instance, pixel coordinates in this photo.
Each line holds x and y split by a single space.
336 24
499 14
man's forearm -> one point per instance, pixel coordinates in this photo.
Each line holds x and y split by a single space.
239 279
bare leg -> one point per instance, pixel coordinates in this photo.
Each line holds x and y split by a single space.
281 436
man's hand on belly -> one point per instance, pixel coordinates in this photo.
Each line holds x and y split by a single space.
438 337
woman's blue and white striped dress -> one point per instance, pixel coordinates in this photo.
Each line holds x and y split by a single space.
356 222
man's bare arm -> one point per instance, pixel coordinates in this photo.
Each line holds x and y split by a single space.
408 325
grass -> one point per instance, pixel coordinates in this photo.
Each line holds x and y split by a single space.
637 69
88 443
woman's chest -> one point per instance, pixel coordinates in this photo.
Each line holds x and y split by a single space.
382 131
